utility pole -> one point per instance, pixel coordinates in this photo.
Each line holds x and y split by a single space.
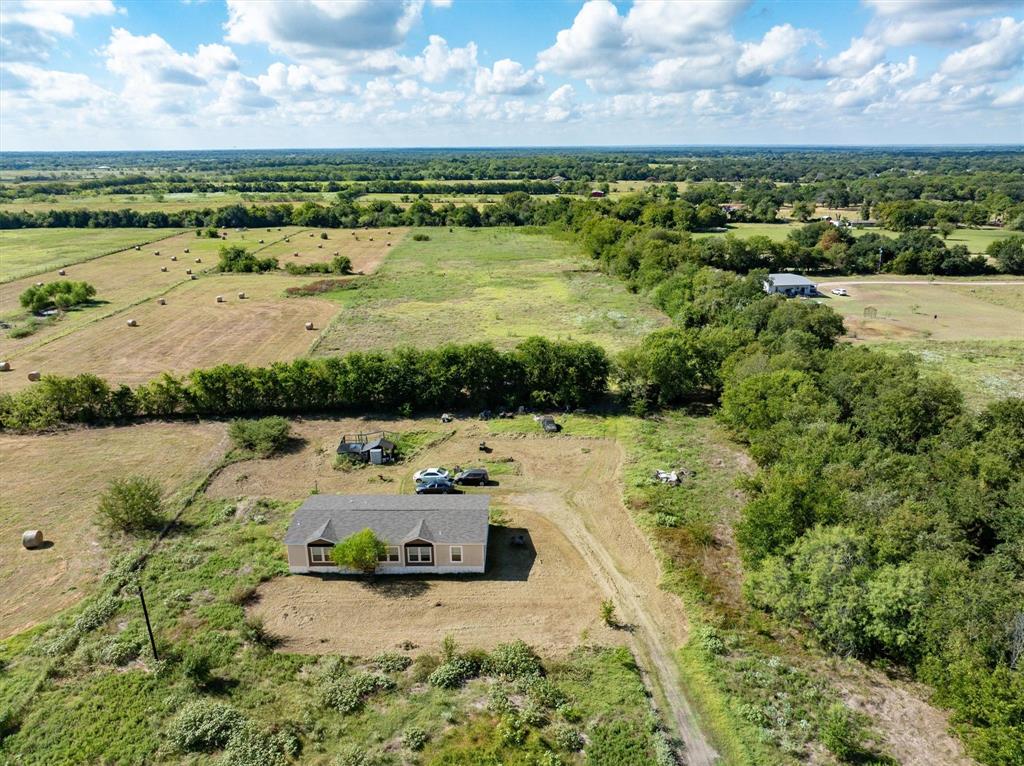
145 613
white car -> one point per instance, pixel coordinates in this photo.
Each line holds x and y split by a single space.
839 291
427 474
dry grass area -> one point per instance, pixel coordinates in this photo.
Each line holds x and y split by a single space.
565 492
191 330
923 311
366 248
53 483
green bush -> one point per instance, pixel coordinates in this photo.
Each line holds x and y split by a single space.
360 551
264 436
419 237
391 662
568 739
235 258
251 745
203 725
452 674
513 660
62 294
512 730
841 733
348 693
133 504
414 738
339 264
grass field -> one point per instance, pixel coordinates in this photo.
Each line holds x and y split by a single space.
366 248
34 585
24 252
500 285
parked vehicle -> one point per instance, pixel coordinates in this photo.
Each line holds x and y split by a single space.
426 474
436 486
475 476
839 291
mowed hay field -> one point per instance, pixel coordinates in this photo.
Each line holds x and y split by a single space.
24 252
192 330
499 285
366 248
54 482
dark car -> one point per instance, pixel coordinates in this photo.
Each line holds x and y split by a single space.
435 487
476 476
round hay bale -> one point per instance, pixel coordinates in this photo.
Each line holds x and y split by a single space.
311 234
156 252
220 299
31 538
5 366
138 247
186 250
371 239
192 276
241 296
132 323
39 284
34 375
63 273
163 268
296 254
188 271
319 247
389 244
161 301
174 257
309 325
199 260
261 241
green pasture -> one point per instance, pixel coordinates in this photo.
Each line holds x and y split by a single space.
497 285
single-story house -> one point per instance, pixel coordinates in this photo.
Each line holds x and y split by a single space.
789 285
437 534
368 448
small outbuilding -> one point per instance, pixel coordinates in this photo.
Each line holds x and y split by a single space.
597 194
435 534
374 448
789 285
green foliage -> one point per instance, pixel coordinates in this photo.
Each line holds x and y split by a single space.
1008 254
339 264
513 660
841 733
420 237
263 437
451 674
348 693
203 725
621 743
360 551
132 504
391 662
62 294
608 612
415 738
251 745
235 258
568 739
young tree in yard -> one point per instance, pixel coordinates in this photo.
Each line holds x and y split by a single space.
359 551
1009 254
803 211
133 504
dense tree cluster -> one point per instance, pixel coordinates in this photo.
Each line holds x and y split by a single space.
537 372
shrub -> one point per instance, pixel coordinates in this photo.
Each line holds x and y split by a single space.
421 237
391 662
512 731
196 665
254 630
608 612
120 651
264 436
452 674
514 660
250 745
348 693
339 264
423 666
360 551
133 504
203 725
62 294
569 739
841 733
543 692
414 738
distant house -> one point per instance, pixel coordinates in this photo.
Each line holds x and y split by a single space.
442 534
557 180
597 194
790 285
373 448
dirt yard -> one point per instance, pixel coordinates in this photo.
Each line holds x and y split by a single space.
191 330
53 482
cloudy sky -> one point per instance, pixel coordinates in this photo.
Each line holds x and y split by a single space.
170 74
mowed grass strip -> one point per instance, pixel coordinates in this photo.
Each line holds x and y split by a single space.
24 252
53 483
497 285
191 330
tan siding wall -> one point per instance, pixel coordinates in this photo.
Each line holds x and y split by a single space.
297 556
472 555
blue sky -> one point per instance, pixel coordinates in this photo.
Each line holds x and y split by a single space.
112 74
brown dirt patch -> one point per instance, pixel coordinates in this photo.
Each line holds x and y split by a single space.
192 330
53 482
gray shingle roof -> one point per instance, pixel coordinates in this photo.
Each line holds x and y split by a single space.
393 518
789 280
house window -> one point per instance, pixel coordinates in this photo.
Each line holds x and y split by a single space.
419 554
390 556
456 551
320 554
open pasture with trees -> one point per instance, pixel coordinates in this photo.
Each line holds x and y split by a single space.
53 483
190 330
498 285
27 252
